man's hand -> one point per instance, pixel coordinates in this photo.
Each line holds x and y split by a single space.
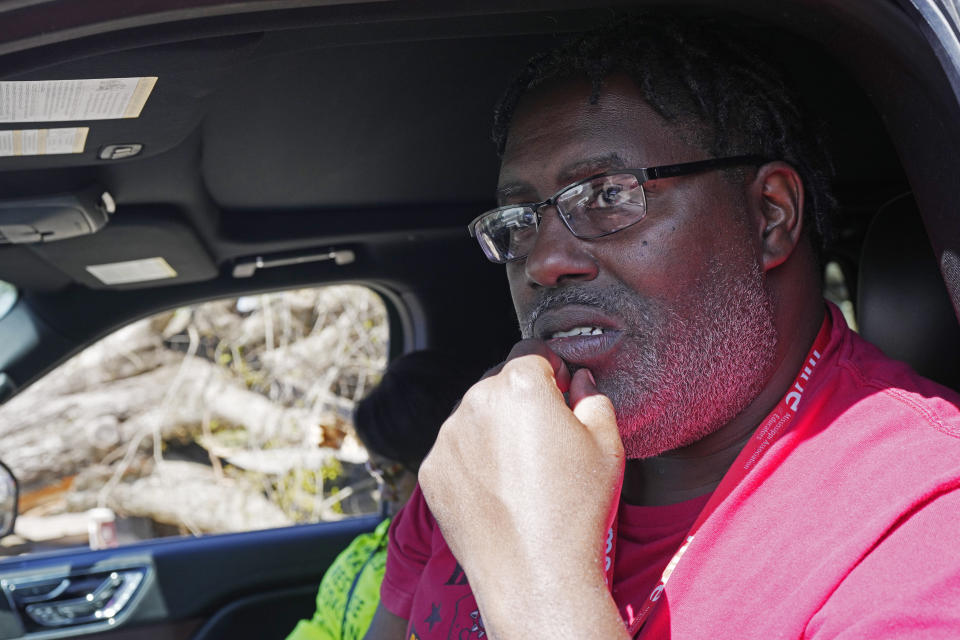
523 487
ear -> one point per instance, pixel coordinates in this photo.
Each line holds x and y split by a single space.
776 195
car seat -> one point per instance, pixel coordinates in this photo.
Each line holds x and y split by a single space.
902 302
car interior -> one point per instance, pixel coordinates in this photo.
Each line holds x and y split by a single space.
288 144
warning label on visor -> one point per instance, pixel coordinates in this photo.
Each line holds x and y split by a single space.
43 142
69 100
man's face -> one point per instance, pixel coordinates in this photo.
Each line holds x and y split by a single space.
687 338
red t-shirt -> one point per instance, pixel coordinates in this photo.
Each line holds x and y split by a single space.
425 585
847 527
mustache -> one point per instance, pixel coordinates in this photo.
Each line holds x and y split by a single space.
611 300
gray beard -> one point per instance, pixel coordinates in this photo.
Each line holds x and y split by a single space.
678 379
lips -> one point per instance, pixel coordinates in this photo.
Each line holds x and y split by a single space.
580 335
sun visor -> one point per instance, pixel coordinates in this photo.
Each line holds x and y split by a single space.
140 248
102 109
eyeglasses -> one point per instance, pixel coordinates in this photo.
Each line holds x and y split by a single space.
591 208
383 474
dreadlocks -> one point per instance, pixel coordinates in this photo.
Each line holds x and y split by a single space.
731 100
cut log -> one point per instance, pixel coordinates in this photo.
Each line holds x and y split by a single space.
187 493
45 439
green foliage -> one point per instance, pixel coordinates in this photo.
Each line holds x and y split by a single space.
332 470
300 493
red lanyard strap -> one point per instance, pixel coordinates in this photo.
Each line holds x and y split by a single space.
770 430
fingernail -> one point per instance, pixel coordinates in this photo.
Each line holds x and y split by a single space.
592 381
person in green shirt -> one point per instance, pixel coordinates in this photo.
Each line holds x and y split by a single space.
397 423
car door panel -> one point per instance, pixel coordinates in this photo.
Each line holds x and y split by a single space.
256 583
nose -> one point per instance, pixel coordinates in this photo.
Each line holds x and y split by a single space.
558 256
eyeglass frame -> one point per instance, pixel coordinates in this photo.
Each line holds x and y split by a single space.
381 474
643 175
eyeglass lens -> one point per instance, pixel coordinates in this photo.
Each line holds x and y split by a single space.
590 209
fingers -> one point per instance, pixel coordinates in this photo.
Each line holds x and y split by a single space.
532 346
581 386
595 411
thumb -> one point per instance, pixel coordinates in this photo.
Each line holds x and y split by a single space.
595 411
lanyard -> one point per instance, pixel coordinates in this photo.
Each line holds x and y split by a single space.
770 430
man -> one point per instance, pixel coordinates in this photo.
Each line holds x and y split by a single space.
659 192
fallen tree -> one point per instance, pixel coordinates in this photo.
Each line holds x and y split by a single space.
200 417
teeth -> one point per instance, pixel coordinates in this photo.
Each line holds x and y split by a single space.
578 331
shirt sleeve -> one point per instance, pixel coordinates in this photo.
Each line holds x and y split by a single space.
907 587
409 550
